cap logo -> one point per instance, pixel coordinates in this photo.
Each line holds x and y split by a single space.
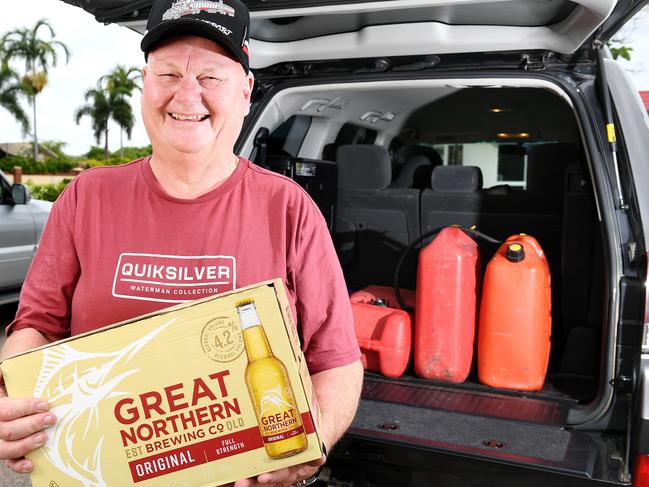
192 7
224 30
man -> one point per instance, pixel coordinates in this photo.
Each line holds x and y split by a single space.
192 197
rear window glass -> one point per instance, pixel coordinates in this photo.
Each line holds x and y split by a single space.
500 163
287 138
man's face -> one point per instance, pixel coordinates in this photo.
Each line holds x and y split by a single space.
194 97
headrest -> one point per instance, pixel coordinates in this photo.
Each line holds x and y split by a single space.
404 153
415 173
456 179
363 166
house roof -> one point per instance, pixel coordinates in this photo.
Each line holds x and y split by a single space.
645 98
23 149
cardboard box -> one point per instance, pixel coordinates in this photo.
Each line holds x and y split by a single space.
164 399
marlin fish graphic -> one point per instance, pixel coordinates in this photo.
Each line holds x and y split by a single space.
64 378
272 400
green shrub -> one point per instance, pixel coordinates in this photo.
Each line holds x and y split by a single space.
92 162
130 153
48 192
95 152
30 166
111 161
95 156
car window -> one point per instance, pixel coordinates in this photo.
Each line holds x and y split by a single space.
500 163
287 138
349 134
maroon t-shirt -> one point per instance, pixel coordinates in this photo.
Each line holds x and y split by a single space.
117 246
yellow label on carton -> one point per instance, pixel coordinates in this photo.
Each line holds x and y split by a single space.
171 398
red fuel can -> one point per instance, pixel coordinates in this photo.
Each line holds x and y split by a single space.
370 294
445 312
515 320
384 336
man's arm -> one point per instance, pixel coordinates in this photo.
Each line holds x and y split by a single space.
21 420
21 341
337 391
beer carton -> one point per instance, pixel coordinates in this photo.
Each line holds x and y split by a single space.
200 394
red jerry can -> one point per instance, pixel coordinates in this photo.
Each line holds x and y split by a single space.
445 313
370 294
384 336
515 319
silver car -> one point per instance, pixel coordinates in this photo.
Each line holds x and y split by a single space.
22 221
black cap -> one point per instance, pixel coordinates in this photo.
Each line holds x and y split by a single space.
515 252
224 22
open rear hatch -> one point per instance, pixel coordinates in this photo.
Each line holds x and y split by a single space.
301 30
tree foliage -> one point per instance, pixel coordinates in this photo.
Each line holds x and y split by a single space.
56 147
10 91
48 192
102 106
121 82
39 54
30 166
621 51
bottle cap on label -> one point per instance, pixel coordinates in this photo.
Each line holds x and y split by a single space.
248 314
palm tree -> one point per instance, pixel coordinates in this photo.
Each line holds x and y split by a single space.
101 107
122 81
10 89
38 54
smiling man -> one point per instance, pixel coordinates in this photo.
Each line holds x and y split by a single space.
127 240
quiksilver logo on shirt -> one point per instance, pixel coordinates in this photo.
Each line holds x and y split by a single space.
172 278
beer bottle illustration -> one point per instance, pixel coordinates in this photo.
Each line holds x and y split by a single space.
278 417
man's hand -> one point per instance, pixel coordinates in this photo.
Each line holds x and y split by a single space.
283 477
22 421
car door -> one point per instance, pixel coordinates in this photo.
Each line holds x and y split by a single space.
17 239
633 135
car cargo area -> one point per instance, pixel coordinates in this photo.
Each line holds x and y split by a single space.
389 162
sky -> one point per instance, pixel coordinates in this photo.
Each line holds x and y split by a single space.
96 49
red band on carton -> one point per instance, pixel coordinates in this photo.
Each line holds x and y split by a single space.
207 451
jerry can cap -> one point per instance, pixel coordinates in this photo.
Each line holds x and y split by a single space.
515 252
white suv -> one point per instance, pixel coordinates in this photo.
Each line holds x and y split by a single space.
360 101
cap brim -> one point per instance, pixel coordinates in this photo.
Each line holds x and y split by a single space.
193 27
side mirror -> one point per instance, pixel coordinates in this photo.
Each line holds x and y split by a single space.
20 194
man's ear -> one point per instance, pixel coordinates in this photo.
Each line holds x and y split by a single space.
248 84
144 72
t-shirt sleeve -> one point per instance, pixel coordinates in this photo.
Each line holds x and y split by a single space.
322 301
46 295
